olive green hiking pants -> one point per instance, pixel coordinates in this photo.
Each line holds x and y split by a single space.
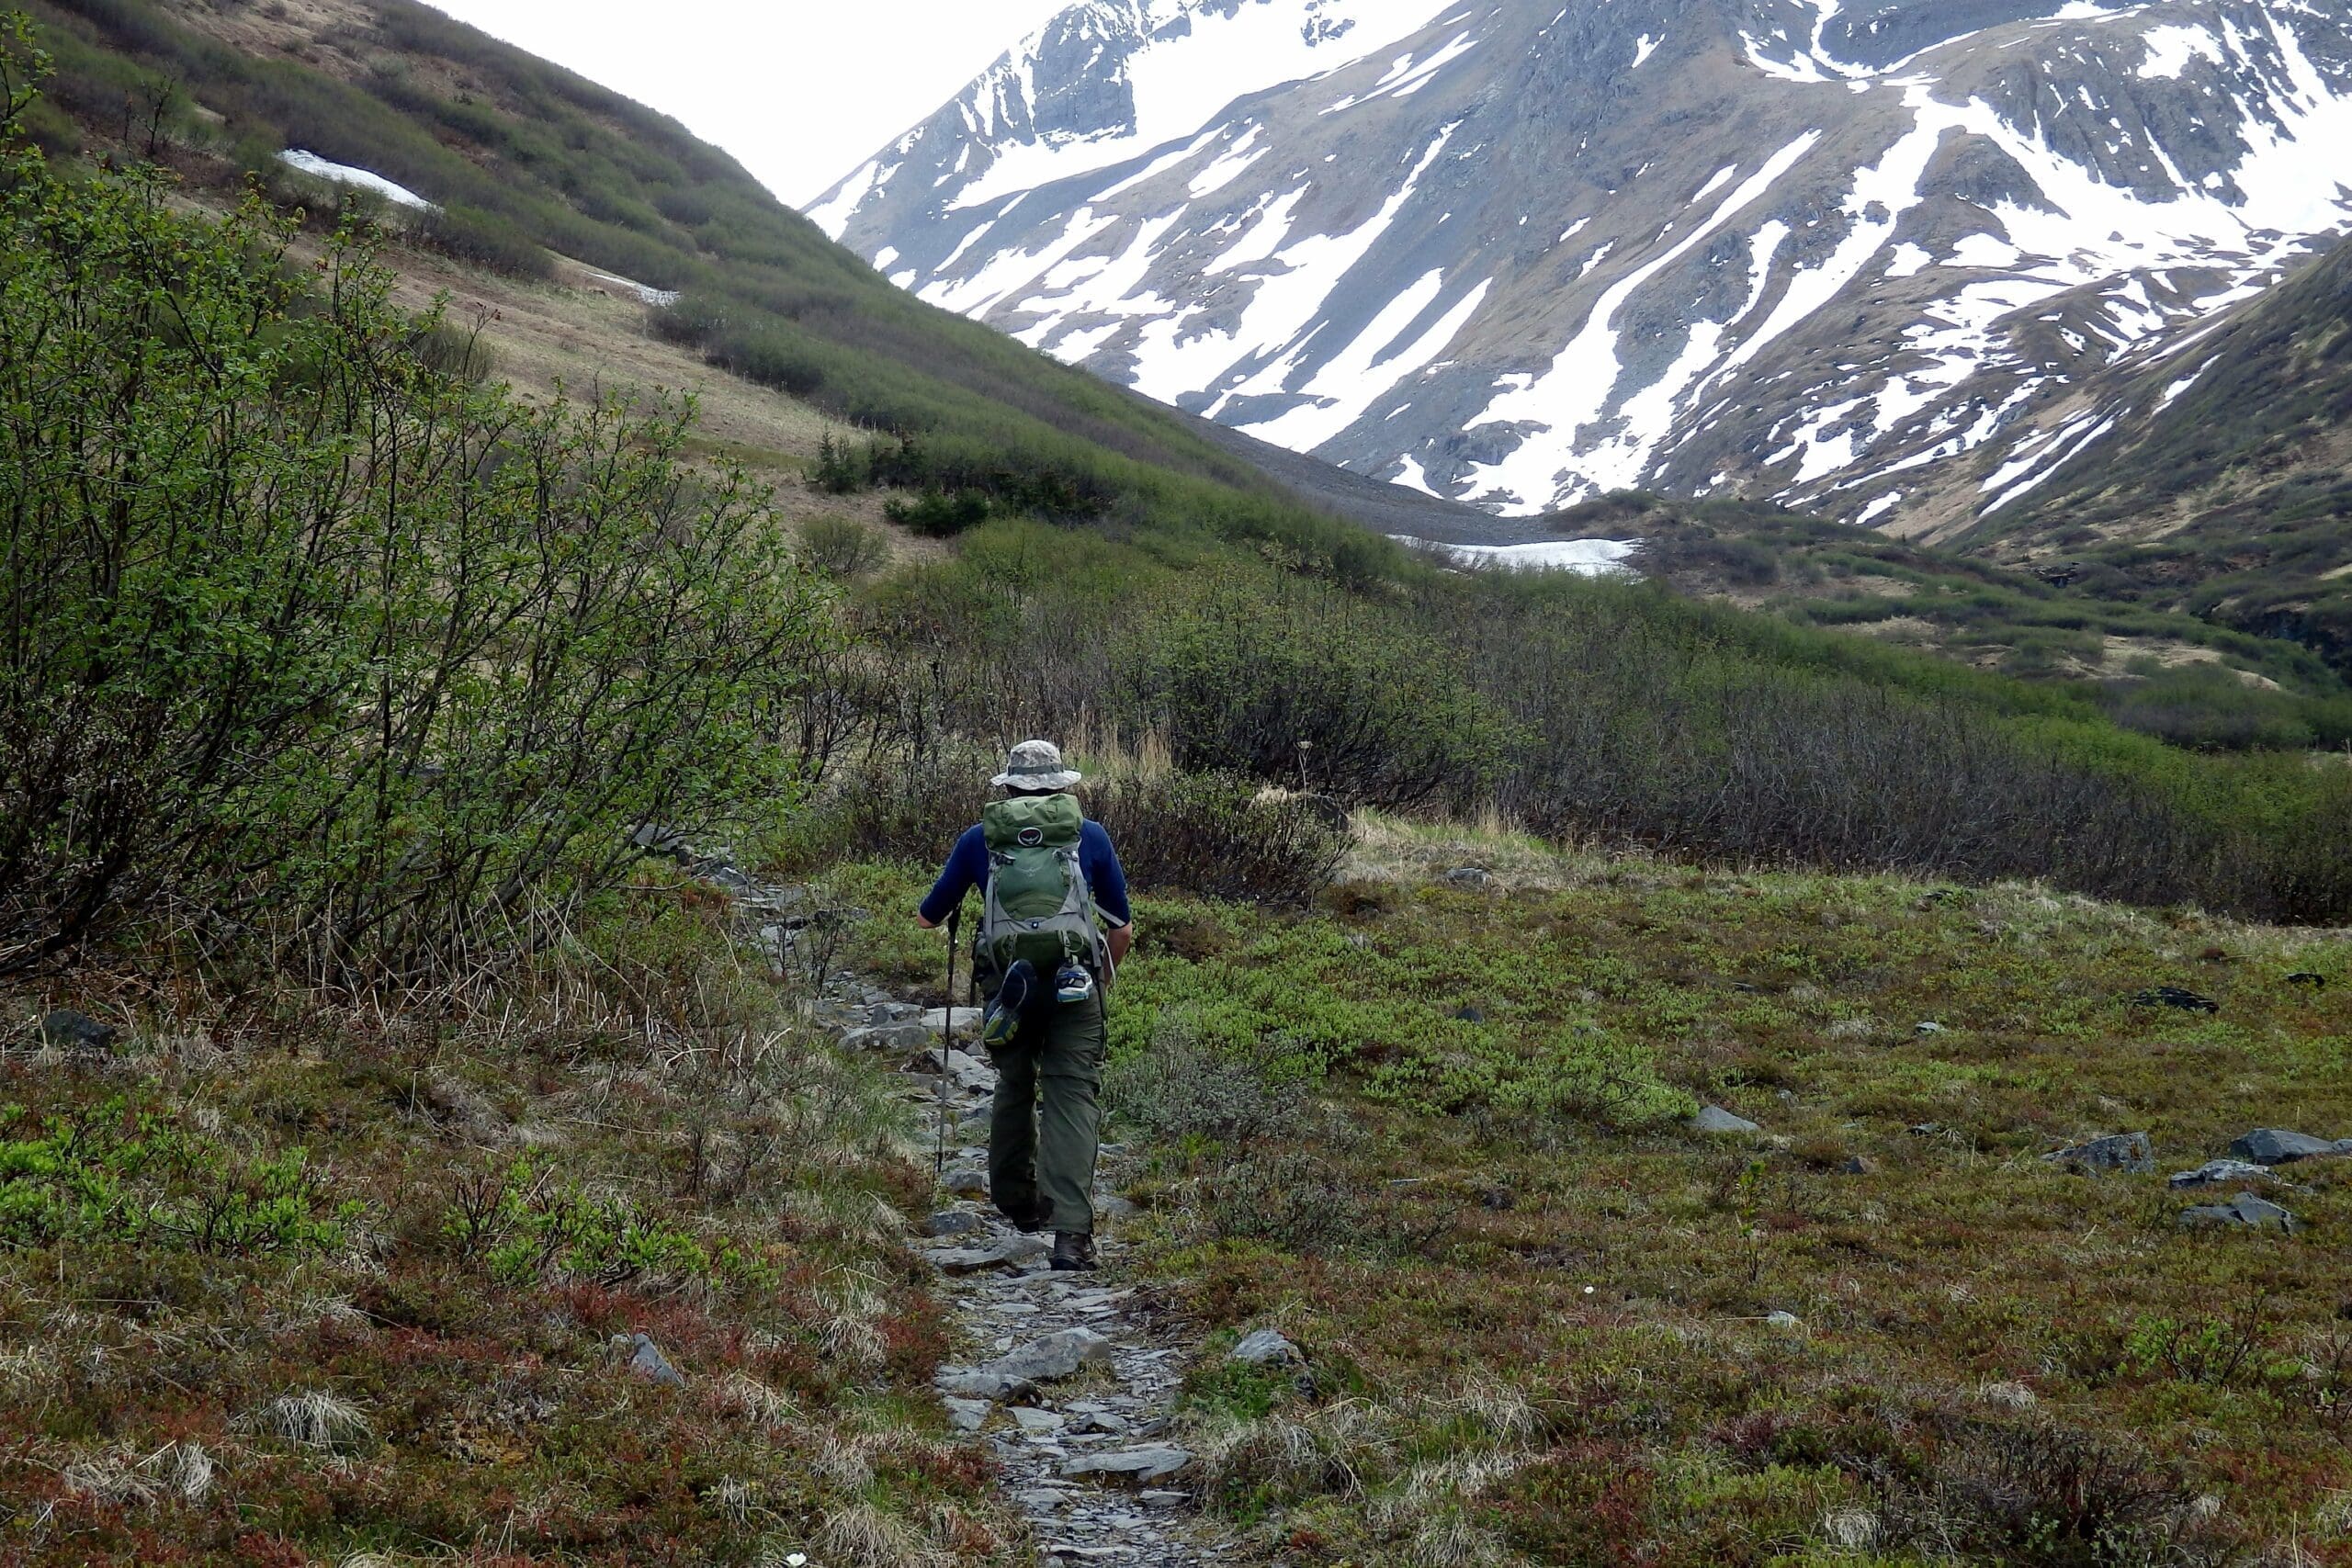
1044 1123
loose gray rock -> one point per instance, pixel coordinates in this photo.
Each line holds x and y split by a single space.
1056 1356
2245 1210
967 1383
649 1362
1138 1466
1714 1119
951 1021
1039 1423
2118 1151
1111 1206
965 1181
2219 1173
1929 1027
1470 877
2276 1145
1263 1346
659 839
70 1031
967 1414
952 1223
887 1037
1010 1253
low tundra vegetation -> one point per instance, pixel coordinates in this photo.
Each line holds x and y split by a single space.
1543 1322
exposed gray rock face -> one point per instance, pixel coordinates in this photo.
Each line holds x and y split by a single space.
2118 1150
2276 1145
2245 1210
1892 260
1715 1120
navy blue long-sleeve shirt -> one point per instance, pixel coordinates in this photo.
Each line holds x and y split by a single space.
967 867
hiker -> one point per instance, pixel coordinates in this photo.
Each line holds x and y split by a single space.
1054 929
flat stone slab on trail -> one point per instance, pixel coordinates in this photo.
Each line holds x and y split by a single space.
1132 1464
1012 1253
1054 1357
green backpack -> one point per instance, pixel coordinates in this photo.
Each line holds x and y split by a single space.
1037 904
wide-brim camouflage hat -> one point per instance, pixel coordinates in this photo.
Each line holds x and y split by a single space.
1037 764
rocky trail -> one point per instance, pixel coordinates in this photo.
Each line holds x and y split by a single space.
1066 1378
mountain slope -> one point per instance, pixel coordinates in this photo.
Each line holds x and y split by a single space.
1520 252
2221 487
523 158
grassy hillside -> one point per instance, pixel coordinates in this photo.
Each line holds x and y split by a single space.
527 158
2163 671
2231 503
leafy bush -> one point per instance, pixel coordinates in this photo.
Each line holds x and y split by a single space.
483 239
937 515
1219 837
308 636
843 547
122 1174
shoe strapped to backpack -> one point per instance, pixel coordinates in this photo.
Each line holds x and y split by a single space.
1073 983
1002 1021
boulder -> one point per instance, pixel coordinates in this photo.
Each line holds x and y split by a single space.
2118 1151
886 1037
1138 1466
965 1181
2219 1173
2245 1210
1055 1356
1470 877
1009 1255
1264 1347
70 1031
2276 1145
967 1414
1714 1119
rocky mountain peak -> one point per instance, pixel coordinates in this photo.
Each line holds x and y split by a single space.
1876 258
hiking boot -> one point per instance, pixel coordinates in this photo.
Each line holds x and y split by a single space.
1074 1253
1002 1022
1073 983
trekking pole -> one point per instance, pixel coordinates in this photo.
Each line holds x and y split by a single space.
946 1045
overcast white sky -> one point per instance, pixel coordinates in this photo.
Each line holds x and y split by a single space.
799 90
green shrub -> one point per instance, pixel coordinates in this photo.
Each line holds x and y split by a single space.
843 546
1220 838
312 636
937 515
